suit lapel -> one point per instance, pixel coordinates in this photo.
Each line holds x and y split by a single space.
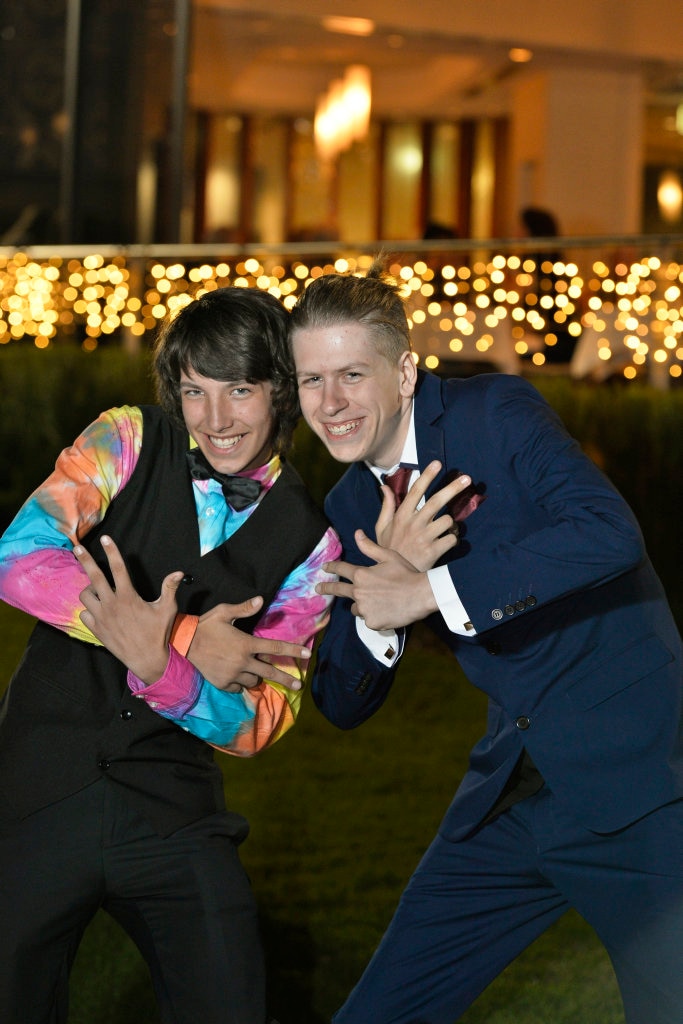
429 436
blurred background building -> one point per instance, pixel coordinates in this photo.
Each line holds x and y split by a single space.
154 148
186 121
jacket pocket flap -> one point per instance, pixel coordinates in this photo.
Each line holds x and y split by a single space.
635 661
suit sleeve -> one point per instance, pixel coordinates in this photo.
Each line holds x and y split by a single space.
349 683
555 525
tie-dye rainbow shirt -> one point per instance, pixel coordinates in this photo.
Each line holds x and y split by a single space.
40 575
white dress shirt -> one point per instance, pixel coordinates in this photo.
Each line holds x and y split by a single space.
387 644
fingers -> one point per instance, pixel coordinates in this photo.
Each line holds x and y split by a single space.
335 589
264 670
170 585
92 570
339 568
369 548
244 609
244 681
261 646
387 511
445 495
418 490
89 598
116 564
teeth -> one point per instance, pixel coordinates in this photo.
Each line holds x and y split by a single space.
225 442
343 428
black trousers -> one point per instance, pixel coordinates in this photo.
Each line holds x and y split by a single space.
185 901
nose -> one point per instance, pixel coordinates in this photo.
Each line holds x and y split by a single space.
333 399
218 413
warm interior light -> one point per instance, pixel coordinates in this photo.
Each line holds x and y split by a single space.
678 121
520 55
343 114
670 196
349 26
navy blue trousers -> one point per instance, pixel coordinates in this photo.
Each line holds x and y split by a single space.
472 906
185 900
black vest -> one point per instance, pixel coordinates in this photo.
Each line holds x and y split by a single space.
68 716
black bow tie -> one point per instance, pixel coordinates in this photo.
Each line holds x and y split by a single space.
239 491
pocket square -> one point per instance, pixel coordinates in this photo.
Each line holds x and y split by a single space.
465 503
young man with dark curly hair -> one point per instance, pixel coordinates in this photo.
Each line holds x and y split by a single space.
193 633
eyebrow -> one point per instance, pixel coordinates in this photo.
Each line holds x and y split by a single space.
185 380
357 365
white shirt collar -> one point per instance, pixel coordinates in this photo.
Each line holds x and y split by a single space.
408 455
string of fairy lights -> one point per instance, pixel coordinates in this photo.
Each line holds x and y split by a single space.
631 312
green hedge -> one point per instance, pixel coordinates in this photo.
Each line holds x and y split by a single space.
47 398
632 431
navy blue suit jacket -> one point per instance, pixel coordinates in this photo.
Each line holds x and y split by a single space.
575 644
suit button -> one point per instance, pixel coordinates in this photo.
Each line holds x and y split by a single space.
523 722
493 647
520 606
126 714
187 578
530 601
103 764
365 681
509 609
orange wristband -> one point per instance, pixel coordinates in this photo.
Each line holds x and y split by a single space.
182 634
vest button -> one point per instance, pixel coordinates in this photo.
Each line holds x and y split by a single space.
126 714
523 722
103 764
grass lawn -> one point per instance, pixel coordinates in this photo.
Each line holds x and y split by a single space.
339 821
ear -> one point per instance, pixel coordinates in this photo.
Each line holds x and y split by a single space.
408 374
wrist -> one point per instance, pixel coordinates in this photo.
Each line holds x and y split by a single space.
424 596
151 669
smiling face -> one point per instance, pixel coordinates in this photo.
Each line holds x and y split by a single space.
231 421
352 396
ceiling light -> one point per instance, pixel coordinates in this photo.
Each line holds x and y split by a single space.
342 115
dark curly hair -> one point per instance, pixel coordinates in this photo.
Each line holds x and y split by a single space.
373 300
230 334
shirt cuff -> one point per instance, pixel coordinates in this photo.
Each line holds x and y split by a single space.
384 644
175 693
450 605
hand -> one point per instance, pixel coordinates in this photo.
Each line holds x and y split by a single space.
417 535
387 595
135 631
233 660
